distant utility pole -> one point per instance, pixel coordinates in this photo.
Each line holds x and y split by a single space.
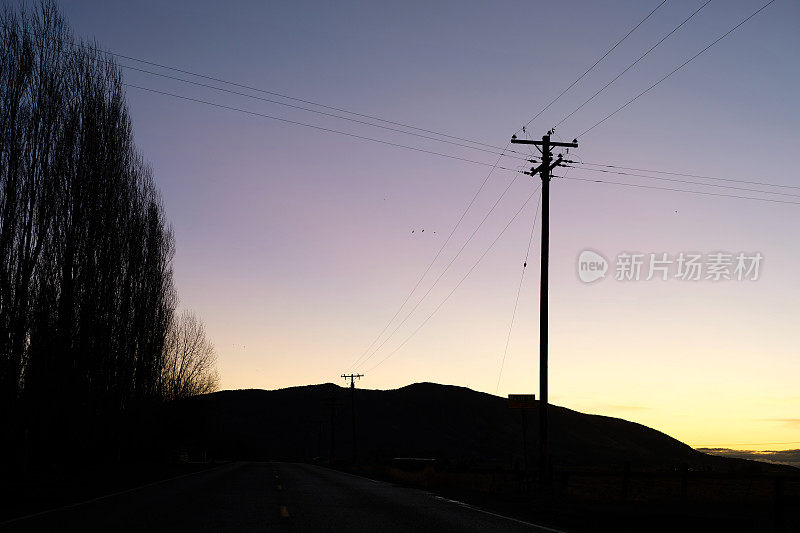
332 403
352 378
543 170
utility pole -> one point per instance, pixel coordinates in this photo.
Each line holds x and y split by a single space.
352 378
332 403
525 403
543 170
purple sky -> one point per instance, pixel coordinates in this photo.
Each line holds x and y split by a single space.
296 246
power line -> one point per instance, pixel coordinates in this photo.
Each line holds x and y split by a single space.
320 128
229 91
571 85
493 168
459 283
430 265
774 200
219 80
689 182
272 93
629 102
717 178
443 272
324 113
280 95
516 300
618 76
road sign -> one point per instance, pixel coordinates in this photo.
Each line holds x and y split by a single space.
522 401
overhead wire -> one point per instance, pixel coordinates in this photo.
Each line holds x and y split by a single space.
324 113
689 182
553 101
618 76
705 193
701 176
519 290
330 130
632 100
293 106
571 85
313 126
443 272
263 91
549 104
493 168
281 95
430 265
474 266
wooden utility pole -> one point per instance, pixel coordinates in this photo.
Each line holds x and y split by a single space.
352 378
333 403
543 170
525 403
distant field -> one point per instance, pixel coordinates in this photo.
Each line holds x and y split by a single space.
707 500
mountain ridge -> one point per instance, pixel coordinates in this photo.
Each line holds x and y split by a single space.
451 423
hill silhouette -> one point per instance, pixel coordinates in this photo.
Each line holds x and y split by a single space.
449 423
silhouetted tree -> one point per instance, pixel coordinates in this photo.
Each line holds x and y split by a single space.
86 291
190 360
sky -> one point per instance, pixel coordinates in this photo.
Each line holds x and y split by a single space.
296 246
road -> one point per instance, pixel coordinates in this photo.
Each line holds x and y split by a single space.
269 497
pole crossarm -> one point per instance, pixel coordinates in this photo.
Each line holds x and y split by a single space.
351 377
573 144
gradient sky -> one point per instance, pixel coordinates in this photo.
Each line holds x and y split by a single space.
295 246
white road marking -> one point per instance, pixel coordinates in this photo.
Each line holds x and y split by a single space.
478 509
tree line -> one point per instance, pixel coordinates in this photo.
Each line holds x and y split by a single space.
88 321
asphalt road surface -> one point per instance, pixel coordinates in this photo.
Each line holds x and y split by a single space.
269 497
